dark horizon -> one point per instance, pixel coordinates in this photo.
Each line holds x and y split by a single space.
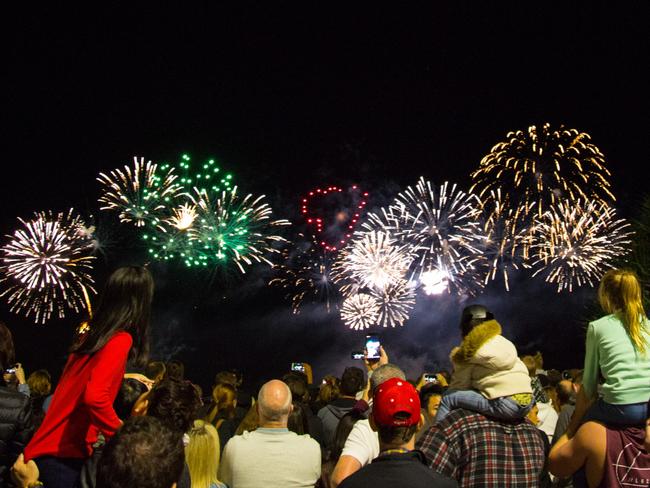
292 98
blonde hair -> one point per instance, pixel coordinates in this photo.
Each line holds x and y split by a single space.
202 454
40 383
223 399
620 294
250 422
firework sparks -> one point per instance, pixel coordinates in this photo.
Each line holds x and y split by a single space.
578 243
139 193
47 266
183 217
350 205
507 239
441 225
395 303
372 261
233 228
543 166
435 281
207 177
360 311
305 273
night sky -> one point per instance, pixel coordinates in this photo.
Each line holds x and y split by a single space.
291 97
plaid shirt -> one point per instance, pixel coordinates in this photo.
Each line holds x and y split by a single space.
476 451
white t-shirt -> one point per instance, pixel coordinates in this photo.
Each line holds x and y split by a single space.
362 443
270 457
547 419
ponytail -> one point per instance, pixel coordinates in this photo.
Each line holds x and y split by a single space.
620 294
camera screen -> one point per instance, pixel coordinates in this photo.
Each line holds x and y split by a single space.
297 367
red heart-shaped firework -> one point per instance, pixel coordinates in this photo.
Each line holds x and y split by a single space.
334 212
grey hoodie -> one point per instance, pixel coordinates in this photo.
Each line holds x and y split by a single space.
330 416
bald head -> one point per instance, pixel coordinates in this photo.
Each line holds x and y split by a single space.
274 402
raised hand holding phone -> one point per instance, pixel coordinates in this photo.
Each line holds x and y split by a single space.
373 364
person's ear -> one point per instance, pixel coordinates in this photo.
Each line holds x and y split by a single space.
420 423
373 425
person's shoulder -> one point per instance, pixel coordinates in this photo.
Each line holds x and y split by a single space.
237 442
589 431
120 339
461 420
460 416
13 398
604 322
305 440
323 411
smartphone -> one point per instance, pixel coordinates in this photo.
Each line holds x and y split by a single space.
298 367
10 370
357 355
372 346
430 378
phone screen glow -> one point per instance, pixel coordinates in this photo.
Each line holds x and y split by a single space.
372 347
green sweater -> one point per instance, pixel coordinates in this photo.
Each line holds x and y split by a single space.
611 351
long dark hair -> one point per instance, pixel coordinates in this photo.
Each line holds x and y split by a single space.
125 305
7 352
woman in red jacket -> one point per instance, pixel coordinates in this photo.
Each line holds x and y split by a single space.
82 405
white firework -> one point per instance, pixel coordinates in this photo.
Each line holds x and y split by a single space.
441 225
47 266
372 260
395 303
138 193
360 311
578 242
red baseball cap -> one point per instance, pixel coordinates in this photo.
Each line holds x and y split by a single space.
395 403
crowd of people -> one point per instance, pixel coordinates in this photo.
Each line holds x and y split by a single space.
498 419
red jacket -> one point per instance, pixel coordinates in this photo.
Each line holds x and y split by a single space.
82 404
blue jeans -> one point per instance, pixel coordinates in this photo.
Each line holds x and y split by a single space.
502 408
607 413
59 472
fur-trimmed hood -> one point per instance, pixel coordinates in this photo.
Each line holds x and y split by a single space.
488 362
473 341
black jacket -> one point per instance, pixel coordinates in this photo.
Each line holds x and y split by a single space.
16 428
392 470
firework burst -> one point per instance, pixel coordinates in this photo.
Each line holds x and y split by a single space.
506 239
373 260
47 266
395 303
360 311
183 217
578 243
230 228
305 274
206 177
542 166
441 225
138 193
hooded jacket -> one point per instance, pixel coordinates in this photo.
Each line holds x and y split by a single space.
331 414
488 362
